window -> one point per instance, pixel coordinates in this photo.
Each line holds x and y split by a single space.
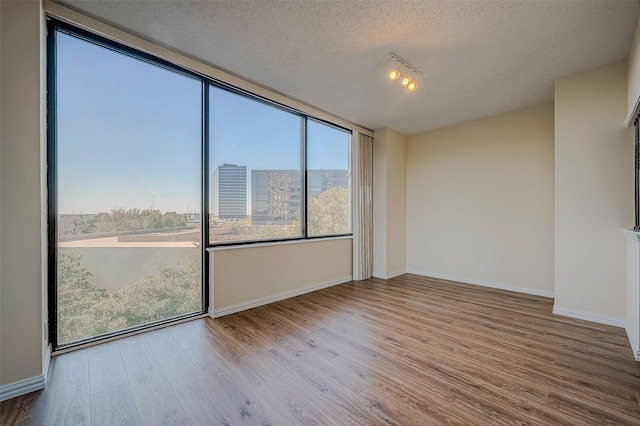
328 180
125 192
262 187
255 162
149 164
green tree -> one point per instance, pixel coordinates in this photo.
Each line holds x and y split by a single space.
76 298
172 289
81 225
85 310
328 212
121 219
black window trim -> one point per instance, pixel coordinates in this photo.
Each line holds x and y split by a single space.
53 26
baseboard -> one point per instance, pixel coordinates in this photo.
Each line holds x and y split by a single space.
396 273
482 283
588 316
45 367
22 387
217 313
634 346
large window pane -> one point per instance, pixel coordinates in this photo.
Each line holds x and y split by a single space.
129 191
255 169
328 180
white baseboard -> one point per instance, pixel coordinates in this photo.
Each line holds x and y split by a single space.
588 316
47 363
634 346
396 273
482 283
217 313
22 387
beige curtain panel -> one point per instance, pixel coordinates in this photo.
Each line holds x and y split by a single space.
365 194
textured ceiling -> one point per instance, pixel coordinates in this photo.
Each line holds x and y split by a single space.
479 58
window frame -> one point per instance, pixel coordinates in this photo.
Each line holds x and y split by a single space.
303 172
53 27
55 24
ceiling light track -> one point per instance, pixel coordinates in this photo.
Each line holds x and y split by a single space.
405 64
405 80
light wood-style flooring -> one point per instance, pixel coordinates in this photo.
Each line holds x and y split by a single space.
408 351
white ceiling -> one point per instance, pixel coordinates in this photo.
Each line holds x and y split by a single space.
479 58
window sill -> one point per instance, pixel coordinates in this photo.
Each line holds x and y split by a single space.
276 243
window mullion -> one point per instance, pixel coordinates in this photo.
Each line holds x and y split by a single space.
303 177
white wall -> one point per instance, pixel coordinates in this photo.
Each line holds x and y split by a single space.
389 204
593 193
246 276
480 201
22 272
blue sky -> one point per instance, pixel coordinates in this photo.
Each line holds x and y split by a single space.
129 131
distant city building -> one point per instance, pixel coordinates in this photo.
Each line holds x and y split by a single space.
229 192
276 194
321 180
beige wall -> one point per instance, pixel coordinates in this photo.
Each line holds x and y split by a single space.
593 192
242 276
633 70
389 204
480 196
21 223
633 291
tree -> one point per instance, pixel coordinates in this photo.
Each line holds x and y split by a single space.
81 225
121 219
328 212
85 310
76 298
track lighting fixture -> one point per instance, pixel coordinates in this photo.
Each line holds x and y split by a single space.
405 77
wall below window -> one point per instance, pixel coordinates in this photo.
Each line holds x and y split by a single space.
243 277
480 201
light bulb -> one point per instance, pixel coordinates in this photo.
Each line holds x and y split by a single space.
393 74
405 81
412 86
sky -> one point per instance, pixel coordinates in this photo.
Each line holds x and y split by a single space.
129 133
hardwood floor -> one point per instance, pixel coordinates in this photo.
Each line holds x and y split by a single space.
409 351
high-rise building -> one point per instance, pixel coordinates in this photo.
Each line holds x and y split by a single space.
229 192
276 194
321 180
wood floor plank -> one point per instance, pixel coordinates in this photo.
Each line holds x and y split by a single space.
25 410
114 406
284 396
175 364
241 402
105 367
154 398
186 336
407 351
202 405
68 397
253 369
